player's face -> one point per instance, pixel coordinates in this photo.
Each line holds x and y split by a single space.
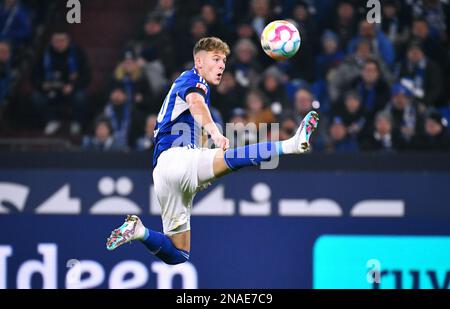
212 66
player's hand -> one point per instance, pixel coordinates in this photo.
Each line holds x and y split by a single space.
221 141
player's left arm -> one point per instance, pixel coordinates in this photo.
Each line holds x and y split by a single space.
200 111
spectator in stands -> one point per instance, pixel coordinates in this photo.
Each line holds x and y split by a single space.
383 138
244 30
302 14
121 114
170 18
213 23
155 47
303 103
15 22
331 56
392 26
233 12
435 137
243 65
130 76
217 117
238 115
345 24
60 79
403 112
5 72
340 79
340 140
288 126
381 46
147 141
435 12
372 88
326 65
228 95
424 77
236 129
103 139
352 113
303 67
260 15
256 109
433 48
198 30
272 86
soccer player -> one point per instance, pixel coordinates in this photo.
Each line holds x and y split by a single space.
182 168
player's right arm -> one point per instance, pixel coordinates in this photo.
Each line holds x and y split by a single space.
200 111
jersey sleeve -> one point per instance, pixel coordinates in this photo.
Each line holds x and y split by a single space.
194 83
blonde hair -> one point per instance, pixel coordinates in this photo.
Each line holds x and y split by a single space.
212 44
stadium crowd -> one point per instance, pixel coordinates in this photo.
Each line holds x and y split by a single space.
377 87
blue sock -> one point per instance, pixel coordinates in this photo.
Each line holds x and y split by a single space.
162 246
251 155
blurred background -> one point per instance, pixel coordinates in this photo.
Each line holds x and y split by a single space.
367 208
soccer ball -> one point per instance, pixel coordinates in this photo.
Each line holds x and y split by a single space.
280 40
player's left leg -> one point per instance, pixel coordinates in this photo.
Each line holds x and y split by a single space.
225 162
175 184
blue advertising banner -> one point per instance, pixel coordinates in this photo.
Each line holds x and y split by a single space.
226 252
247 193
253 229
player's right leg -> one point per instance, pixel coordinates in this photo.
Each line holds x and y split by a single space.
175 184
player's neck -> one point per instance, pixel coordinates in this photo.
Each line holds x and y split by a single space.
199 72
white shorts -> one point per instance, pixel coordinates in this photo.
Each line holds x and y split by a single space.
176 182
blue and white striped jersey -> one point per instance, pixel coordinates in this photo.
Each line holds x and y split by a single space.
175 125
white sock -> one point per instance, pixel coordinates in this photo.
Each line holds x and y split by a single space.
140 233
288 146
